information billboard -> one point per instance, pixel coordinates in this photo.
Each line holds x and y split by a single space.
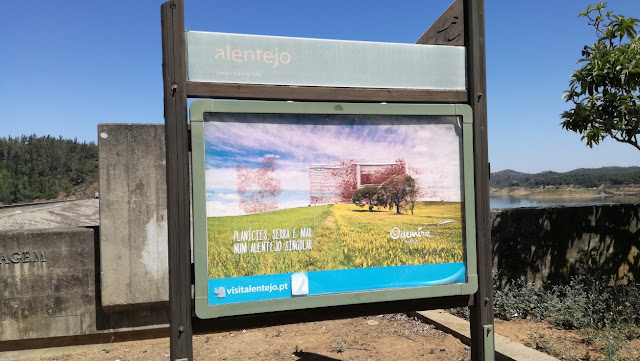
301 205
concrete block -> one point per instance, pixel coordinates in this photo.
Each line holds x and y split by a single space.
57 296
44 294
9 287
133 213
9 329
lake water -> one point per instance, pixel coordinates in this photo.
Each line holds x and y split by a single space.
496 202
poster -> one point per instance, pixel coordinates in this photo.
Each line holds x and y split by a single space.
299 205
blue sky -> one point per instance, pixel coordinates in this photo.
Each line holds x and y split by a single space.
69 65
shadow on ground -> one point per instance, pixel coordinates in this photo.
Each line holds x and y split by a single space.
310 356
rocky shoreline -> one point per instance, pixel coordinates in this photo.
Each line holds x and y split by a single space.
565 192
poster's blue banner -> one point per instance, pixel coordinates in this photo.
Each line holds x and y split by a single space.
286 285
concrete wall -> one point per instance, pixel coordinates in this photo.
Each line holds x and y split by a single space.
49 287
554 243
51 296
133 213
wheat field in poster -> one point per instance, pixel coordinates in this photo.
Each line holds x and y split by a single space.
291 194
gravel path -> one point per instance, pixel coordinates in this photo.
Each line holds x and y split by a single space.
65 214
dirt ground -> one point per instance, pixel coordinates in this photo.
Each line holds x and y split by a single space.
383 338
568 344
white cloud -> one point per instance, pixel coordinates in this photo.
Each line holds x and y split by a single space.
227 179
227 196
221 178
293 180
219 209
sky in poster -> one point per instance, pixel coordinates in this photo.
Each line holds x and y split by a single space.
69 65
431 151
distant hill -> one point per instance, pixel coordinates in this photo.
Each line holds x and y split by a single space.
39 168
583 177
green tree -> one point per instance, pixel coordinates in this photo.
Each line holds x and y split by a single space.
6 186
605 90
396 191
33 167
366 195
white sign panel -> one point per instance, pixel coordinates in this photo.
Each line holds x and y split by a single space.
253 59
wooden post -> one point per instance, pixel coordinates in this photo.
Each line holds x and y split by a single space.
482 332
450 29
178 198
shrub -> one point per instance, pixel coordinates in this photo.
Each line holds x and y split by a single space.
582 302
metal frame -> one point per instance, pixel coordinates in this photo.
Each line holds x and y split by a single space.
203 310
176 91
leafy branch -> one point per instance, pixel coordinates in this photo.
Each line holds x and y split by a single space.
605 91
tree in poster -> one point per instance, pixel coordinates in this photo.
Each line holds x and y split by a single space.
366 195
412 197
605 91
396 191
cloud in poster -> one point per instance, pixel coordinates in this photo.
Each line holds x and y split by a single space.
227 197
227 178
313 143
430 150
223 209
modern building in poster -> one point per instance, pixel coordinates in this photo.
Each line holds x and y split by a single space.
335 183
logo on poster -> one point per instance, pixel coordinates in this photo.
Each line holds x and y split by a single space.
397 233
